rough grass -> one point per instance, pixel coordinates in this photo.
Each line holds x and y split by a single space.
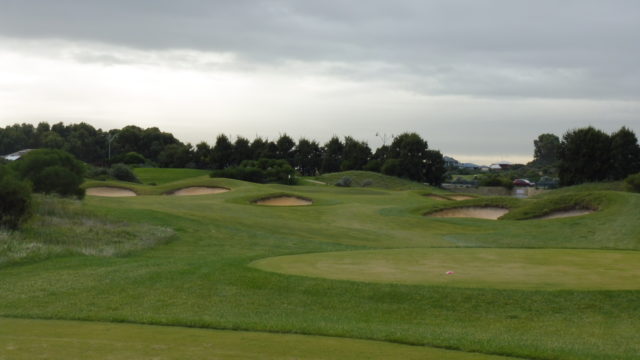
202 279
377 180
64 227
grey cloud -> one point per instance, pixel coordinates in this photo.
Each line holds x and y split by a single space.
567 49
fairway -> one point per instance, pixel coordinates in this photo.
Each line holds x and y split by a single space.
531 269
542 289
32 339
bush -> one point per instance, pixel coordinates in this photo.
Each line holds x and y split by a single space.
495 180
59 180
35 168
261 171
367 182
15 199
133 158
344 182
123 173
98 173
633 182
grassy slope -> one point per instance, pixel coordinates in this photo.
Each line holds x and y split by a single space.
163 176
202 279
377 180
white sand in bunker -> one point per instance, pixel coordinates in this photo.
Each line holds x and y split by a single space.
109 191
566 213
461 197
490 213
198 190
284 201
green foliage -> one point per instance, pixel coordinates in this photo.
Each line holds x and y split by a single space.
495 180
355 154
222 152
123 173
625 154
589 155
260 171
15 199
52 171
546 149
633 182
308 157
332 155
133 158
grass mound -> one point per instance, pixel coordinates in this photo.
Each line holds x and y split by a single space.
371 179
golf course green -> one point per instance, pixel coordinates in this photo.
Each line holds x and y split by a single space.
532 269
359 272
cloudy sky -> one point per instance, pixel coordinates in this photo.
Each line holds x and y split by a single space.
479 79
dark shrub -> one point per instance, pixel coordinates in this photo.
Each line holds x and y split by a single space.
633 182
261 171
15 199
34 168
59 180
367 182
495 180
344 182
391 167
98 173
123 173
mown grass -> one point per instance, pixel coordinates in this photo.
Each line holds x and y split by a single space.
203 278
84 340
529 269
160 176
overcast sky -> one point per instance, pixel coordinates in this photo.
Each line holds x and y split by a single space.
478 79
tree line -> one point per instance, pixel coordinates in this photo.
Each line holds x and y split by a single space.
589 155
407 156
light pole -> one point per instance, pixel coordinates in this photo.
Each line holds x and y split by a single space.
110 138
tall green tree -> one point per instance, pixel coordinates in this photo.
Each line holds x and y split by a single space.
584 156
355 154
221 153
546 149
286 148
332 155
308 157
434 168
408 153
241 151
625 154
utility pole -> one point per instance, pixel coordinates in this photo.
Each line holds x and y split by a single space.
110 138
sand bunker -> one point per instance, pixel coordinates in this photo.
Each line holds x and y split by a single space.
461 197
489 213
109 191
198 190
566 213
284 201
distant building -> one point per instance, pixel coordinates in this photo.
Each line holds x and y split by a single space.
471 166
501 165
451 162
16 155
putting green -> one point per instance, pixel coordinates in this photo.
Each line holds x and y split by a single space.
531 269
55 339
